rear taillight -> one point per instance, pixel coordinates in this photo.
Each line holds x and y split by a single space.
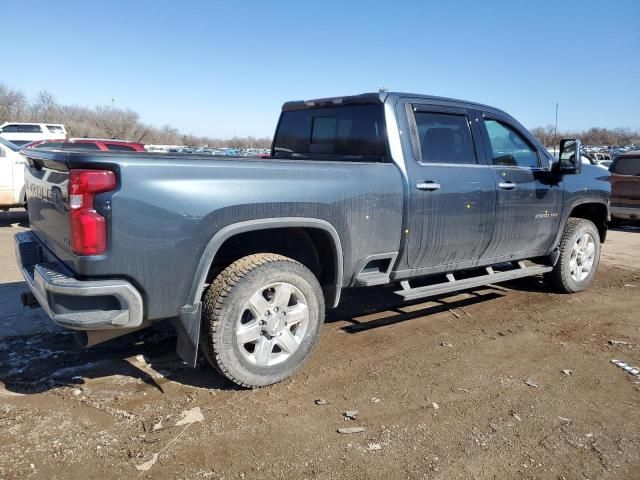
88 227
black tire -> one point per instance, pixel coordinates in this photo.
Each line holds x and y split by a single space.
560 277
224 309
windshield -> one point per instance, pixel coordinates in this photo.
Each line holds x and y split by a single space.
9 145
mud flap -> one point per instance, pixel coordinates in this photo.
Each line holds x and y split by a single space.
188 328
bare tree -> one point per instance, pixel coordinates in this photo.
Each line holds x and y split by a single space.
13 104
45 107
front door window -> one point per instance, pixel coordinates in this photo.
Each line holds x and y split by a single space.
508 147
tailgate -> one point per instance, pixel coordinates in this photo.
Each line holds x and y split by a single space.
625 190
46 186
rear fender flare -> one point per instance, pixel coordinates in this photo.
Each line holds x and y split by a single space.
188 323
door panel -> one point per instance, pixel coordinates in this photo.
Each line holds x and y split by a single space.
6 169
451 197
528 196
455 223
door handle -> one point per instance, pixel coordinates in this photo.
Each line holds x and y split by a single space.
508 185
429 186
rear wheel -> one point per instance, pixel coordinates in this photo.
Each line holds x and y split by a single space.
261 319
579 257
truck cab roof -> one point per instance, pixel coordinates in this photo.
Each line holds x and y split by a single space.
382 97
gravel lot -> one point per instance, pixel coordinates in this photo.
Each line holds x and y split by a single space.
503 382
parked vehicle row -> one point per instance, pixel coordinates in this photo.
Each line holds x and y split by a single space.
215 151
88 144
358 191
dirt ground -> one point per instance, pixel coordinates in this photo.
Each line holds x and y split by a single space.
504 382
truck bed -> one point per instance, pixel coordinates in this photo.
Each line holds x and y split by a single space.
166 208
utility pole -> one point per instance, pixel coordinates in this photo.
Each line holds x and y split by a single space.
555 133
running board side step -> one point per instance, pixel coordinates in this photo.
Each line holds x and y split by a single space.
370 279
453 285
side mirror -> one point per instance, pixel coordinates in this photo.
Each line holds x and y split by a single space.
570 160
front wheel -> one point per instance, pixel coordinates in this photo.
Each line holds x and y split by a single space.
579 257
261 319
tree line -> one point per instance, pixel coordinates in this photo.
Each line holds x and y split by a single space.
125 124
105 122
592 136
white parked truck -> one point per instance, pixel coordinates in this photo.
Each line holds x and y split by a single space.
22 133
12 163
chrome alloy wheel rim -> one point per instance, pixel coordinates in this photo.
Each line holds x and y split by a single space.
582 257
272 324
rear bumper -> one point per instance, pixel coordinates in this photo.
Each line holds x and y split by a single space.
627 213
71 303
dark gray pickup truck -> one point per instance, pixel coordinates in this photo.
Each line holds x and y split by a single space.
243 255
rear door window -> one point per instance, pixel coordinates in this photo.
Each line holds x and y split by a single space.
351 132
30 129
626 166
22 128
444 138
509 148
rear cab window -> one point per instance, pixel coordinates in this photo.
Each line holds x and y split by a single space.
80 146
120 148
347 133
50 145
626 166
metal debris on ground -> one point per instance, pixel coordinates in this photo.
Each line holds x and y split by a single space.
375 400
435 406
351 430
445 344
321 401
618 342
531 383
567 372
626 367
454 313
351 414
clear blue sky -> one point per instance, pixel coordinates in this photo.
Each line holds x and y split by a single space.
219 68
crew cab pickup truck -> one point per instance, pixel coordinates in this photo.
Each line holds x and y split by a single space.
429 194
